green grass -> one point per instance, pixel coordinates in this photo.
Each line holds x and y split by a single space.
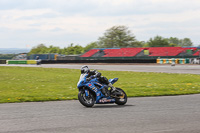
22 84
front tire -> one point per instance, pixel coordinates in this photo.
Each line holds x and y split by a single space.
122 99
87 101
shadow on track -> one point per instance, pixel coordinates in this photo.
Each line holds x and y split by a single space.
112 106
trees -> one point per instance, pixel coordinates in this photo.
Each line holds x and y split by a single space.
121 36
174 41
186 42
70 50
53 49
114 37
7 56
118 36
158 41
90 46
39 49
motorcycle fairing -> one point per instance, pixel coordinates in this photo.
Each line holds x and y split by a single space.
100 98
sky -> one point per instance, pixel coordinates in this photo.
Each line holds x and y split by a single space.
27 23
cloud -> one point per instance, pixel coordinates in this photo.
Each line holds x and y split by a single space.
83 21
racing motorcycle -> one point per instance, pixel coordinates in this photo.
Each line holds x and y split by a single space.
91 92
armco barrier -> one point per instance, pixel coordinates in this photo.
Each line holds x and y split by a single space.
31 61
21 62
16 62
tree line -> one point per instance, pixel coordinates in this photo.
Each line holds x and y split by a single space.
114 37
7 56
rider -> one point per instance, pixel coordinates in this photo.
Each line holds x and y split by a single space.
96 74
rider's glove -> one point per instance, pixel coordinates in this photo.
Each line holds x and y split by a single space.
98 74
88 79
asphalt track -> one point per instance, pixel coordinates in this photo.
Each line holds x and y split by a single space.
189 69
167 114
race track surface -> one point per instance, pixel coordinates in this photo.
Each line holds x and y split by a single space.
169 114
189 69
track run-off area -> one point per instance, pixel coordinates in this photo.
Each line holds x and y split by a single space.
166 114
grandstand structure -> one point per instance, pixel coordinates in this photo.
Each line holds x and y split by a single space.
161 55
147 52
126 55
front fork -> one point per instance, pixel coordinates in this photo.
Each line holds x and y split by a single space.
86 93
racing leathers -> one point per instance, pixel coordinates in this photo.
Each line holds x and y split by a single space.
102 79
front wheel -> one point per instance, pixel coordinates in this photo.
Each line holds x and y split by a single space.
87 101
121 100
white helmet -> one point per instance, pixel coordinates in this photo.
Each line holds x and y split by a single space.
85 69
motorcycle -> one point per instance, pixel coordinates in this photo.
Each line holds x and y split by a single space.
91 92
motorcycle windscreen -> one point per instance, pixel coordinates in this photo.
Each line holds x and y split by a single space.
112 81
82 78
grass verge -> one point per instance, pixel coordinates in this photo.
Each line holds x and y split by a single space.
22 84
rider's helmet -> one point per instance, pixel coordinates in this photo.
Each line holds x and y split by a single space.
85 69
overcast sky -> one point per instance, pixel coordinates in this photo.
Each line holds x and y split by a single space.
27 23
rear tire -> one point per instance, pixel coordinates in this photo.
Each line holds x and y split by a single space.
87 101
122 99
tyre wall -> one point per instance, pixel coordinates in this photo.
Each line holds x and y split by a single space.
178 61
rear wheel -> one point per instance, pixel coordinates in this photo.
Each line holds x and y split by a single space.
87 101
121 100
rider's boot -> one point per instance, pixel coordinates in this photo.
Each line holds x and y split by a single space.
113 91
112 87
